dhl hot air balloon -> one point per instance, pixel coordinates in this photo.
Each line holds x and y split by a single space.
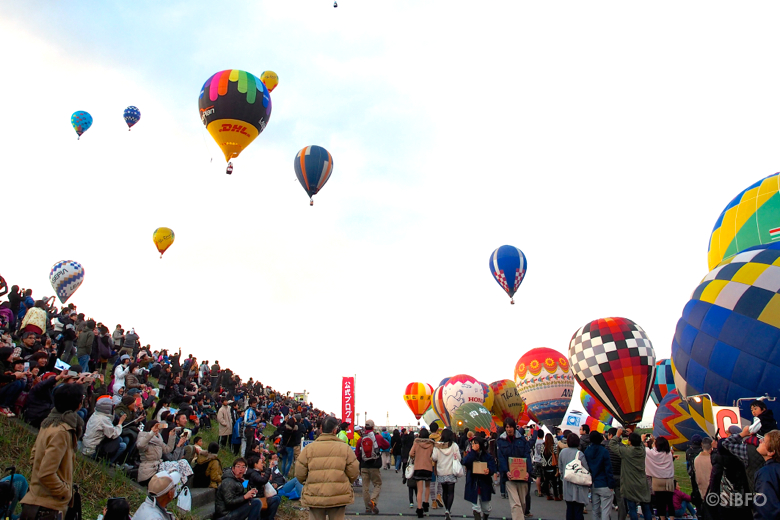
546 384
313 166
507 402
437 403
462 389
163 238
235 107
418 398
613 359
594 408
270 79
81 122
508 266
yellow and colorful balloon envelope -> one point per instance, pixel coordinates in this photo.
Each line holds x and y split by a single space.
235 107
163 238
81 122
270 80
418 398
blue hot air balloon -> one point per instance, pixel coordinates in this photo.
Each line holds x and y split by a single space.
81 121
508 265
132 115
313 166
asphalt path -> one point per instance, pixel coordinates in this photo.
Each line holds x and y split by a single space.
394 501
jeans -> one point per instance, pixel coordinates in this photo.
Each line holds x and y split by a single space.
397 462
84 362
647 511
686 506
10 392
273 505
601 498
287 455
20 487
250 510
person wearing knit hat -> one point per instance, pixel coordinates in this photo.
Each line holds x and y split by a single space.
101 426
162 491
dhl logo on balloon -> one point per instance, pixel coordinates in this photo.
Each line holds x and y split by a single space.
227 127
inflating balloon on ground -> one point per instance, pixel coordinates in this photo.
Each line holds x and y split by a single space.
594 408
66 276
664 380
725 343
461 389
437 403
545 383
507 402
489 397
614 360
673 422
475 417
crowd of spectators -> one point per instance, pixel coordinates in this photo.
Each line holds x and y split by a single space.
143 410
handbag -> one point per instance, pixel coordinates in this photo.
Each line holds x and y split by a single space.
457 468
663 484
409 469
185 499
575 473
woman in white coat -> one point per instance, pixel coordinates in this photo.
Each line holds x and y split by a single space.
445 453
120 372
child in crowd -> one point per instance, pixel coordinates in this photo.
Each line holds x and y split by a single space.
763 422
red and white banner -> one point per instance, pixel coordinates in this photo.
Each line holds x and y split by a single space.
348 403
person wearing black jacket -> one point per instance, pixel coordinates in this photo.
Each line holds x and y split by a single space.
616 461
258 477
40 400
728 465
233 502
396 447
407 441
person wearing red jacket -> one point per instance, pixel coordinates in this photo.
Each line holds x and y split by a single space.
368 454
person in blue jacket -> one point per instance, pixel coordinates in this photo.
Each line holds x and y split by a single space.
510 444
600 465
479 487
768 479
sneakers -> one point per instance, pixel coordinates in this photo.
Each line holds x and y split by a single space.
447 515
7 412
411 505
374 510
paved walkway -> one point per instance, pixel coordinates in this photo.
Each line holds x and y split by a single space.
394 501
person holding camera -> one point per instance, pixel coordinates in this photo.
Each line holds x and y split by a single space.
233 502
151 448
101 438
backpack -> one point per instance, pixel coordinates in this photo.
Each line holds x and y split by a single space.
369 446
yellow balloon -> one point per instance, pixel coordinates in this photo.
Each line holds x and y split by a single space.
270 80
163 238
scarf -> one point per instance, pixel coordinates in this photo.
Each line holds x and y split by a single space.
70 418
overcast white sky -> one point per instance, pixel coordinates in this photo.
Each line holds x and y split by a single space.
601 139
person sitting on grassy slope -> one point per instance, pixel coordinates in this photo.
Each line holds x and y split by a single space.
151 449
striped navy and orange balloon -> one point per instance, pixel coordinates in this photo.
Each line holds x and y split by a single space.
313 166
418 398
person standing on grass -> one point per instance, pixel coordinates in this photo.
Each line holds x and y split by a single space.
327 468
225 420
54 456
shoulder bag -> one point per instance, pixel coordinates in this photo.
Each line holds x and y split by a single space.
576 473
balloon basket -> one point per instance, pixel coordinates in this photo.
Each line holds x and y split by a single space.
512 301
311 202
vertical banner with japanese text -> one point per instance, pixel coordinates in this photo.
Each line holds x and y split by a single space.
348 403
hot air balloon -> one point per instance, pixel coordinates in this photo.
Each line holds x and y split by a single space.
66 276
597 426
726 341
418 398
444 381
81 122
437 403
475 417
235 107
507 402
508 265
664 380
313 166
673 421
269 79
546 384
750 219
132 115
163 238
594 408
461 389
489 397
613 359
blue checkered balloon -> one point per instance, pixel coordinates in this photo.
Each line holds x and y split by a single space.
664 380
132 115
66 277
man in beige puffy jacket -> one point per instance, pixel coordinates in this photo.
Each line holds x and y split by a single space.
327 468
